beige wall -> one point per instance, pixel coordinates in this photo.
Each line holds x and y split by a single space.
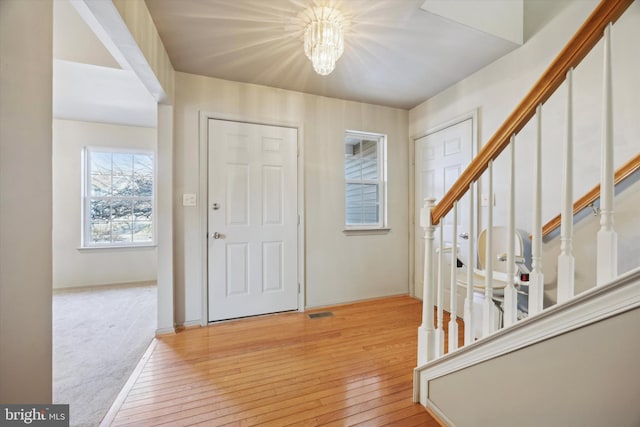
495 91
87 267
339 268
589 377
25 201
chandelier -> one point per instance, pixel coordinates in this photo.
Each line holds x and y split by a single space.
324 38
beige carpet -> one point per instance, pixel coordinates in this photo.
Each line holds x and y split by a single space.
99 334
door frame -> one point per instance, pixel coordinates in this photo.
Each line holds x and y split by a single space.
203 190
473 115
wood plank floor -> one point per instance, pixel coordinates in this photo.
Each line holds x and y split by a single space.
353 368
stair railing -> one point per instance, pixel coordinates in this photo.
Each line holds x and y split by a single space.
430 341
588 200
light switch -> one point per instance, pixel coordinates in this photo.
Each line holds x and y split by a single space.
189 199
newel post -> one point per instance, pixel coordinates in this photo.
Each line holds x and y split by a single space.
426 331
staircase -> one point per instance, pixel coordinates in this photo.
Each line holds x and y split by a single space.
569 362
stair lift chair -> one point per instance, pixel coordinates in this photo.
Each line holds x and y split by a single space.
499 255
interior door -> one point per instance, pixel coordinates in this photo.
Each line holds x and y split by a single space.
440 159
253 220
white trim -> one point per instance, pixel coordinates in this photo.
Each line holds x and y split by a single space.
596 304
366 230
189 324
124 392
203 184
436 410
381 152
125 247
473 115
105 20
203 118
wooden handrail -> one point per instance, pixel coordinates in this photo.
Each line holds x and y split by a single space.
587 36
621 174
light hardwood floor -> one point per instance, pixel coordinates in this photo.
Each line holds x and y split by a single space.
353 368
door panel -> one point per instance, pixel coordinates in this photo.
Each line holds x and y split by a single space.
252 221
440 159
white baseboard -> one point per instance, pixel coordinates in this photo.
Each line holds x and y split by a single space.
165 331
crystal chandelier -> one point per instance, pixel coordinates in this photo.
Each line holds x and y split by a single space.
324 39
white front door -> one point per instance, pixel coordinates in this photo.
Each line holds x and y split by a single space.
440 159
252 220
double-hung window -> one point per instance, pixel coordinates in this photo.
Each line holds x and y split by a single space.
118 198
365 180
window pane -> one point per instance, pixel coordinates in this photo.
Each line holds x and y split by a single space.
121 210
369 160
362 204
120 193
122 186
364 179
370 214
100 233
142 231
100 211
122 164
352 162
142 185
143 164
100 163
121 231
100 185
143 175
142 210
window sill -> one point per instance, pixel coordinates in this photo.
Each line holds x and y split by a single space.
365 231
126 248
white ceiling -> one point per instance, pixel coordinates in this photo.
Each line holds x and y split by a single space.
396 54
88 83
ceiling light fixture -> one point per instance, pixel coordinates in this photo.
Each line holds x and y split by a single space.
324 38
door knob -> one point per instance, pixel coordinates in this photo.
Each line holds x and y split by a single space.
464 236
217 235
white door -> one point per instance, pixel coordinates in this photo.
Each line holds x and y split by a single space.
253 220
440 159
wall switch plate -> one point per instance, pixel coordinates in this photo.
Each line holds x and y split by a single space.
189 199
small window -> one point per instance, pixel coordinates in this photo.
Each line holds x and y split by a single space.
118 198
365 180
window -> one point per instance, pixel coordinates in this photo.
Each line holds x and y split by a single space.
365 180
118 198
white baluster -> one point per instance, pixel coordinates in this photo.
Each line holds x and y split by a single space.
536 278
469 332
510 294
607 252
440 316
566 263
453 324
488 314
426 332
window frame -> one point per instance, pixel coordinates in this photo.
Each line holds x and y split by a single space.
85 238
381 181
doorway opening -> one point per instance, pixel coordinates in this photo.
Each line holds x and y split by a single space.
103 246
